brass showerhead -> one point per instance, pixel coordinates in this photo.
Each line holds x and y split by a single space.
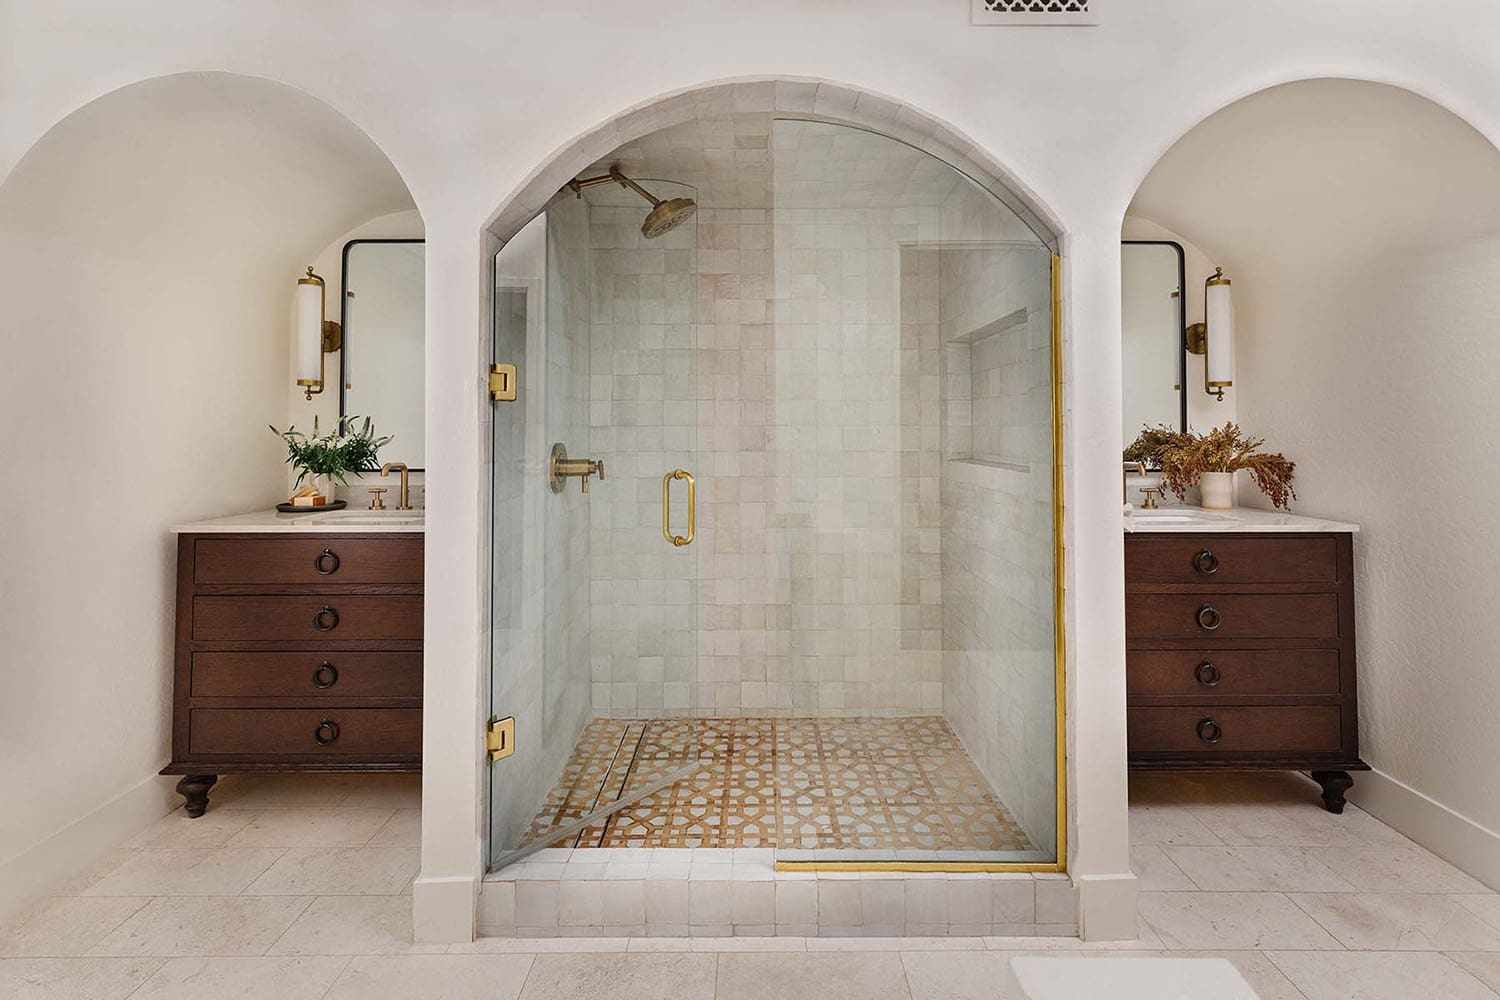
664 216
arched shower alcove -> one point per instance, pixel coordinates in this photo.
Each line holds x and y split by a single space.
856 328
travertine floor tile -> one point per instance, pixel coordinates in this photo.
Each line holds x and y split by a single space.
311 827
242 979
1238 921
820 976
217 871
203 926
1372 975
432 977
1399 921
339 871
64 926
622 977
353 925
73 978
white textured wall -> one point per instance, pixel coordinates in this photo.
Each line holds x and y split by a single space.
471 103
1367 294
147 287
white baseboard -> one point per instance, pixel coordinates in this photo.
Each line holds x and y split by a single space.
35 871
1107 907
445 910
1450 835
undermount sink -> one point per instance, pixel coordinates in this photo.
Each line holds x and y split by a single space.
1177 515
369 517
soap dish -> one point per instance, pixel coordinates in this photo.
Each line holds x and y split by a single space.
287 508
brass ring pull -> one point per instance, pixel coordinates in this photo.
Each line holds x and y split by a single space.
1208 675
1210 731
326 620
1209 618
326 733
326 676
326 563
1206 562
666 507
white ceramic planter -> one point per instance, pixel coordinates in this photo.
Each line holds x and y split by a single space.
1217 489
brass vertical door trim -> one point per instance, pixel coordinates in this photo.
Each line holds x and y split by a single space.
666 507
1059 571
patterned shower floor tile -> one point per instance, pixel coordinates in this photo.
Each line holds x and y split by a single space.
903 783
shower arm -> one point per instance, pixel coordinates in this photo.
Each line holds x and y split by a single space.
614 176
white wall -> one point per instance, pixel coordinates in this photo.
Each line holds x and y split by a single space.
1363 224
146 289
471 103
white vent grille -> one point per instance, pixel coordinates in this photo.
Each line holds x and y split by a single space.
1057 12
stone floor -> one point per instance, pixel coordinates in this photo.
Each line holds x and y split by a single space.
298 889
837 783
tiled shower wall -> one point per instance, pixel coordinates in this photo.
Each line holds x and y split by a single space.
997 536
799 401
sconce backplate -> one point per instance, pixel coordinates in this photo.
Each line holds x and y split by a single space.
1196 338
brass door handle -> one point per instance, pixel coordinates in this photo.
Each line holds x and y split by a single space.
666 507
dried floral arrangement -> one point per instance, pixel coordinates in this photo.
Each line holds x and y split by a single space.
1182 458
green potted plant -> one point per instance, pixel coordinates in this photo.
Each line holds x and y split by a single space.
1210 461
327 459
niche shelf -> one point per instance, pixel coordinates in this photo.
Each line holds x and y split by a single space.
984 379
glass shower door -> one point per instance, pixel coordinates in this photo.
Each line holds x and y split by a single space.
592 640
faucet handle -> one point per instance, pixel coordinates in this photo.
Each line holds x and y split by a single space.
1151 492
377 502
599 469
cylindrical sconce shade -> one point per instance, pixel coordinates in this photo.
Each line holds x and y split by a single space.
1219 316
309 328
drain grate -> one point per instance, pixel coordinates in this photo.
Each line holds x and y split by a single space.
1039 12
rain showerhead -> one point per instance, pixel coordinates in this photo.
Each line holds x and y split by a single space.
664 216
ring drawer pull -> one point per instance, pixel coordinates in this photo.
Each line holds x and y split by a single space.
326 676
326 563
326 620
1209 618
1208 675
1210 731
326 733
1206 562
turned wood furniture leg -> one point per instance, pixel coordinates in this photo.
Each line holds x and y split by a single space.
1335 784
195 788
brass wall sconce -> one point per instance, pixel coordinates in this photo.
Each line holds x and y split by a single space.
1217 349
316 335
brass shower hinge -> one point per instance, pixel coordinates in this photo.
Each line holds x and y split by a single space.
503 383
500 738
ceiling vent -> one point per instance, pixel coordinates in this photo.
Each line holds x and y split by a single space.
1040 12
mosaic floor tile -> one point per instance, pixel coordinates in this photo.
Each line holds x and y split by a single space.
792 783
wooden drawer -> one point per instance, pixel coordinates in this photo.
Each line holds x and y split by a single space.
1274 730
331 674
1220 560
368 732
315 559
308 618
1226 673
1232 616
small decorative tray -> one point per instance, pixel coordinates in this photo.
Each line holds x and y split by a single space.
287 508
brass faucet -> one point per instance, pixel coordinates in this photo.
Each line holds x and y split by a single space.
385 470
561 467
1139 468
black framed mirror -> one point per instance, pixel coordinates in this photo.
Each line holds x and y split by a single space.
1153 275
382 363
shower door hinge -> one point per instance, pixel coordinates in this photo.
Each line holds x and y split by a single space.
503 383
500 738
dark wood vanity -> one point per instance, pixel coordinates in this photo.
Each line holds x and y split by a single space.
1240 654
296 652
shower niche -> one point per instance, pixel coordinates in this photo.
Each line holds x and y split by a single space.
847 345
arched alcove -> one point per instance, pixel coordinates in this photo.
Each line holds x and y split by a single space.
149 245
1361 225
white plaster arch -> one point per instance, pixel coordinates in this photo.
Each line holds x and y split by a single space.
807 98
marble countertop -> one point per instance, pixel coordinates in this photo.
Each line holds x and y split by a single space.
1190 520
347 521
